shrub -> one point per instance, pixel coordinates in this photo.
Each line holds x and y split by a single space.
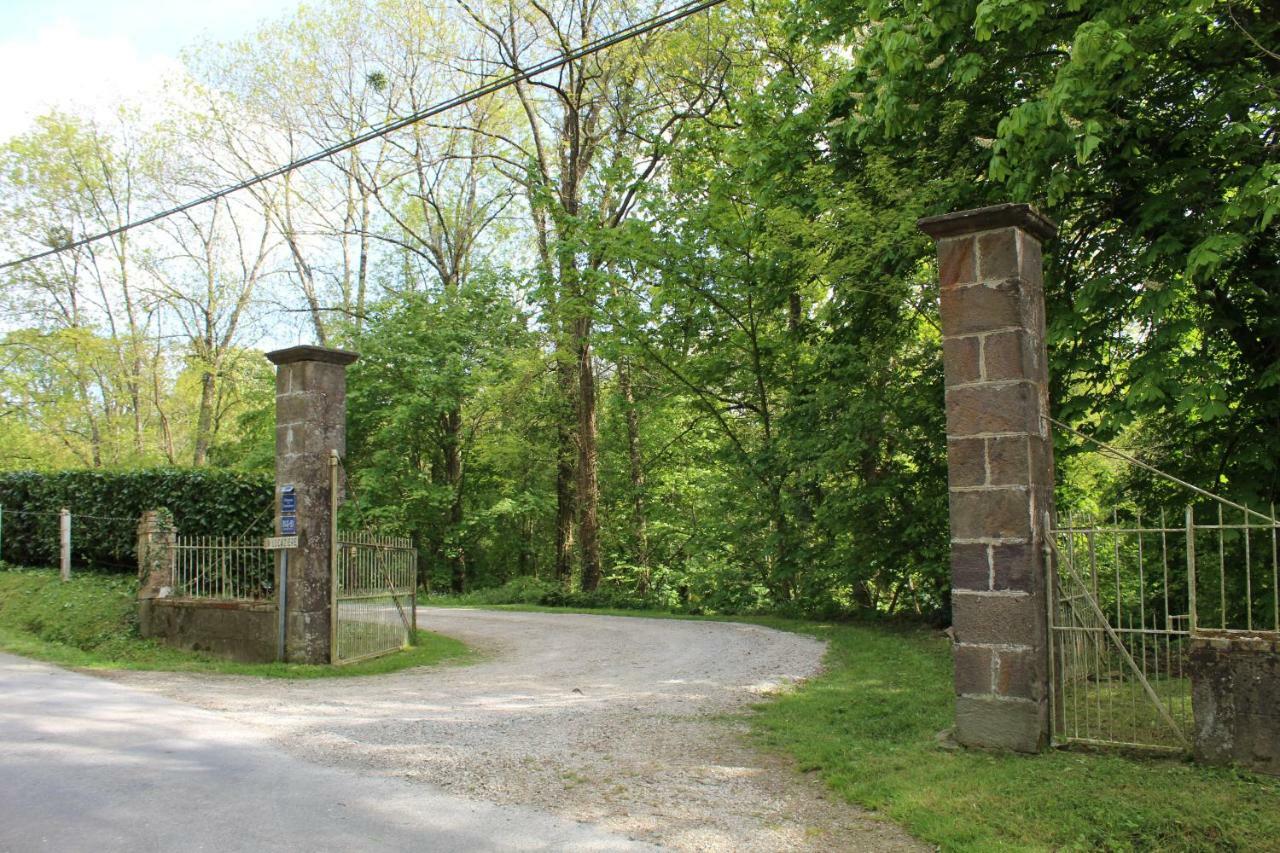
106 506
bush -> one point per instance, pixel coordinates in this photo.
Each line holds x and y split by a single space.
530 590
106 506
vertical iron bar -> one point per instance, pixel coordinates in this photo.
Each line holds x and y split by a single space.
1191 576
1141 639
1275 575
333 556
1248 575
1222 569
1115 547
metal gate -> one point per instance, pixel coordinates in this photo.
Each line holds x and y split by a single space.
1126 596
374 596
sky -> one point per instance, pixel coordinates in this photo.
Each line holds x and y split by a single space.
80 52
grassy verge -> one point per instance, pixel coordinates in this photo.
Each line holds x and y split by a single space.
868 724
91 623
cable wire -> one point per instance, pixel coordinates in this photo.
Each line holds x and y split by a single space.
618 37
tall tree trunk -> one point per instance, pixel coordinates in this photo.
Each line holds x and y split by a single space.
204 425
639 518
166 430
566 470
588 458
452 428
362 271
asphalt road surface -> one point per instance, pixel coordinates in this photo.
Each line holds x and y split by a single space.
89 765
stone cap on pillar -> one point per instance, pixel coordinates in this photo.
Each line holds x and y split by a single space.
964 222
306 352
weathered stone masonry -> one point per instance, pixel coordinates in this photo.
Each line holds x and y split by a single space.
1000 464
1235 690
311 420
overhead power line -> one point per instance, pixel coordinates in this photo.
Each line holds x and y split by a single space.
623 35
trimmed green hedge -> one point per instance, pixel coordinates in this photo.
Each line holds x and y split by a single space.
106 505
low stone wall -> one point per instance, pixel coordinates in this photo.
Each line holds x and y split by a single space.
1235 694
243 631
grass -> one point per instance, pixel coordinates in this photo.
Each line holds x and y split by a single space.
868 727
91 623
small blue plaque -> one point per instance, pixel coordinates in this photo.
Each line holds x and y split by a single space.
289 502
288 525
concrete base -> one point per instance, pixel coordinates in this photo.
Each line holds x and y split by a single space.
236 630
1235 693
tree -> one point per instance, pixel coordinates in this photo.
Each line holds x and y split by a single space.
1150 132
65 178
594 137
431 357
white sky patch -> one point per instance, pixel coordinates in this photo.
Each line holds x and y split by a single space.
63 67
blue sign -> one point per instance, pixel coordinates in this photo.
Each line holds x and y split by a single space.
288 525
288 502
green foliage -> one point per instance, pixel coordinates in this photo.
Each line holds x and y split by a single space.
1149 131
751 263
543 593
455 370
869 723
91 622
106 507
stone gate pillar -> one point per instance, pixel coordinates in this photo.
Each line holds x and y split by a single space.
1000 469
311 420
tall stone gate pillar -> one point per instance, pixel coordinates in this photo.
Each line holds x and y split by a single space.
311 420
1000 468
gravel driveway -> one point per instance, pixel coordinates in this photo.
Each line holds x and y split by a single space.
622 722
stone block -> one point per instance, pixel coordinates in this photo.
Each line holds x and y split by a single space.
1007 355
1008 460
970 566
1014 567
990 513
998 255
1040 461
962 360
997 723
956 261
1020 674
993 409
980 308
1032 260
995 619
966 461
974 666
1235 698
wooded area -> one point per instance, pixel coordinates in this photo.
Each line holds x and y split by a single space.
662 322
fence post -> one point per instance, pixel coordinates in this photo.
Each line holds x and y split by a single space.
1000 469
64 528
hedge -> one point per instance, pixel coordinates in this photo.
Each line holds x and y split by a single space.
106 506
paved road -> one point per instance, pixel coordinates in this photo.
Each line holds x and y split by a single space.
88 765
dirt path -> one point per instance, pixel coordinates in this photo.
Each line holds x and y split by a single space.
617 721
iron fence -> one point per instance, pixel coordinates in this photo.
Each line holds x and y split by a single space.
219 567
1236 578
1127 595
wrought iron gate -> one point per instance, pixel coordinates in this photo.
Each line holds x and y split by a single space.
375 596
1126 596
